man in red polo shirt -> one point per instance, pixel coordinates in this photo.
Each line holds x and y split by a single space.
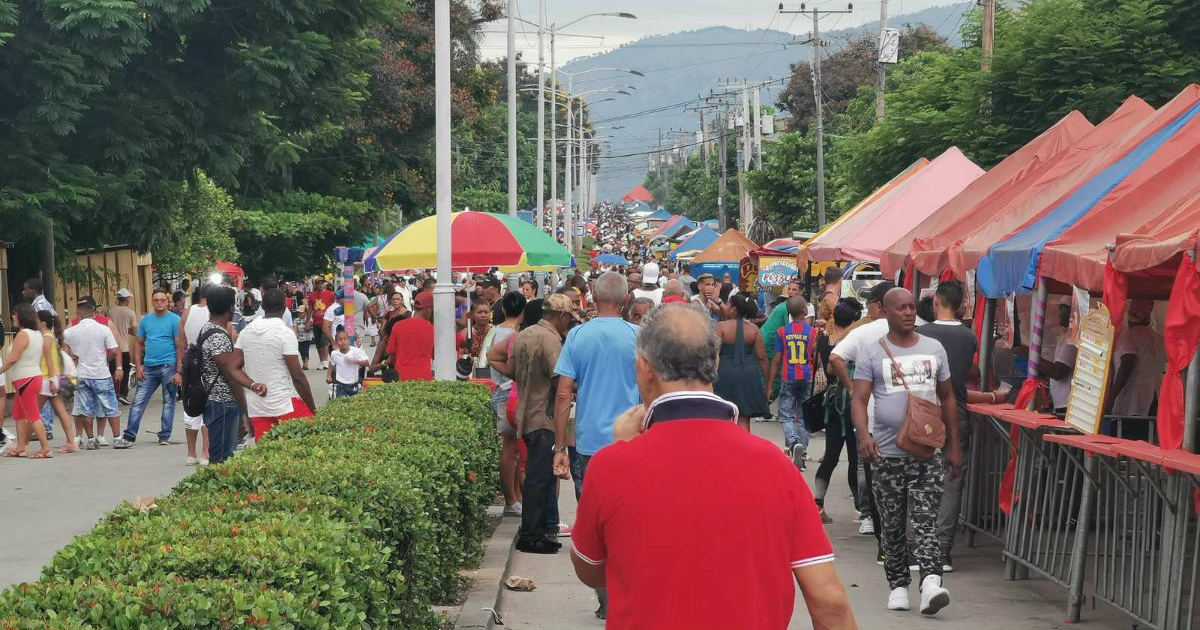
675 554
411 341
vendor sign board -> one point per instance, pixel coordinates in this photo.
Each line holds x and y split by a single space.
775 272
1092 363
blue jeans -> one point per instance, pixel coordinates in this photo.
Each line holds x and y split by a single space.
156 375
342 390
579 464
222 419
48 416
791 395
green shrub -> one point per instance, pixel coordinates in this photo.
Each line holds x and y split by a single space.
163 605
359 517
340 573
389 491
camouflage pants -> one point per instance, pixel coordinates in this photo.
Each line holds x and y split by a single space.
908 494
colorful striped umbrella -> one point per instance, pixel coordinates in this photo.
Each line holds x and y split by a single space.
478 241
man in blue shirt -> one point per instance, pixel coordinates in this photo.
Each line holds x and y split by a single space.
600 357
158 360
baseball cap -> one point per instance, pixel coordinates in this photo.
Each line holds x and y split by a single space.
124 293
423 299
558 302
650 273
878 291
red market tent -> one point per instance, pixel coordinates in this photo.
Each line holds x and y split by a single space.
1159 191
1165 247
639 193
1096 150
925 246
874 229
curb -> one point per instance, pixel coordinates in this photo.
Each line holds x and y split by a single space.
487 588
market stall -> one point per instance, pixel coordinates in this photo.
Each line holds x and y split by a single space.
1000 184
874 228
724 255
697 241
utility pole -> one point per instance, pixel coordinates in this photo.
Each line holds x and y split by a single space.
704 144
881 80
443 291
568 175
723 126
989 34
512 109
553 140
541 119
817 96
757 127
744 163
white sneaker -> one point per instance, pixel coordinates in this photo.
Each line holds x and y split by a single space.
867 526
513 510
898 598
324 365
191 461
79 441
203 462
101 441
91 444
933 596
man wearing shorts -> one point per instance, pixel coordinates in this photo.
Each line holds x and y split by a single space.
269 354
92 345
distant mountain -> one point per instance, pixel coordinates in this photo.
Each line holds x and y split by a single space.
682 66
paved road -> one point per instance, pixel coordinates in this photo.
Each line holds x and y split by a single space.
46 503
981 598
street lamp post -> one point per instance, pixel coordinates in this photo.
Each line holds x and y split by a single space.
443 291
512 111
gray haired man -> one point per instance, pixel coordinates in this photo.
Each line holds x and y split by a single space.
670 453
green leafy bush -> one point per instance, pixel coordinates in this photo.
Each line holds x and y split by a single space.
343 575
360 517
166 605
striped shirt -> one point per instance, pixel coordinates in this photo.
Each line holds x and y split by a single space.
796 343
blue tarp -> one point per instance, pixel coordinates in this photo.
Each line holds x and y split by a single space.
718 270
683 225
661 215
1010 266
525 215
703 237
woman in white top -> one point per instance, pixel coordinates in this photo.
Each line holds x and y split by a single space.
25 364
189 326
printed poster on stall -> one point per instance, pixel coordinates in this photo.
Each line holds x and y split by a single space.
1090 381
775 272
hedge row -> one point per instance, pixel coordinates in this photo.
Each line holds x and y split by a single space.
361 517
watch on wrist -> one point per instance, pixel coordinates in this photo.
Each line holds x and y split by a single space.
559 449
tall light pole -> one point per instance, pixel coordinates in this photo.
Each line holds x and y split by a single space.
443 291
512 110
541 152
553 142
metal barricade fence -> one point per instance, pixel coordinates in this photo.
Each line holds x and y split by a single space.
990 449
1048 491
1127 555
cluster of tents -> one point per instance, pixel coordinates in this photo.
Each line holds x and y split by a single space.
1112 209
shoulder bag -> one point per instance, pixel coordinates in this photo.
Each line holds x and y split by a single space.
923 431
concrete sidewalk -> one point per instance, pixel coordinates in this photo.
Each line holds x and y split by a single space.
49 502
981 598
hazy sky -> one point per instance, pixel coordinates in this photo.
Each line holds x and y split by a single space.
657 17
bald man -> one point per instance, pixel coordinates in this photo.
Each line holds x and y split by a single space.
908 490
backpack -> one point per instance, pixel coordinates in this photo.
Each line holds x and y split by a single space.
194 394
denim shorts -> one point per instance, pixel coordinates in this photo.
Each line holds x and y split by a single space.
500 409
95 398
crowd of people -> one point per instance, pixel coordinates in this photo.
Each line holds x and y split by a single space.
615 378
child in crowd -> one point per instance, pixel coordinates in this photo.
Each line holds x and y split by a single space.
344 363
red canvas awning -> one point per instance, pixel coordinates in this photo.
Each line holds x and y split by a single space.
875 228
230 269
1162 192
1094 152
639 193
925 246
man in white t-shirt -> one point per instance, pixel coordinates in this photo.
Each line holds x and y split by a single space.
846 352
1141 356
268 352
1061 368
92 344
650 288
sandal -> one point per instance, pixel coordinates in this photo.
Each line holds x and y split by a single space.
15 454
42 455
